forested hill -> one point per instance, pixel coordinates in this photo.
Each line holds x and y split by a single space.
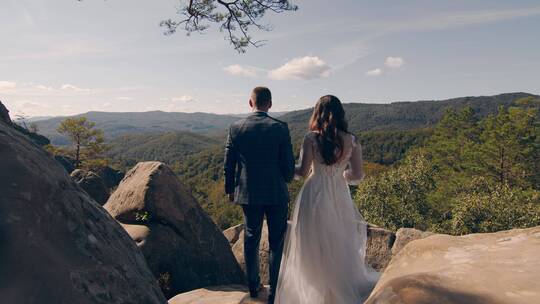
362 117
167 147
121 123
404 115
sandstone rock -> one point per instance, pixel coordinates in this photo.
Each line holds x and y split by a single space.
39 140
183 247
34 137
110 176
92 183
58 245
492 268
232 234
4 114
407 235
231 294
379 247
378 252
67 162
264 253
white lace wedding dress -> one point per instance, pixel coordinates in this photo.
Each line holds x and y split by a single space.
323 257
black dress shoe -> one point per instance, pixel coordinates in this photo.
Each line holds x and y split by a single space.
254 292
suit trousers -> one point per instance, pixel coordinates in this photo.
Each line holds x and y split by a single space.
276 219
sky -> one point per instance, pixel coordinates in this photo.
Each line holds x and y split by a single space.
63 57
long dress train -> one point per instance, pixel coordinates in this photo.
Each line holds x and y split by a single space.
323 258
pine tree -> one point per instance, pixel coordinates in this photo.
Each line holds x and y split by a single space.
88 142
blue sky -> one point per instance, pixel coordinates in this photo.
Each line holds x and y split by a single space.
61 57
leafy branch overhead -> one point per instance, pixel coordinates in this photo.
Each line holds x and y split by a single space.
234 17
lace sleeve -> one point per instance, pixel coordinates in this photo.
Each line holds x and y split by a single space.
355 173
303 168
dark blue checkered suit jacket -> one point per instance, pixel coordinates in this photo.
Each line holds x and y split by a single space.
259 160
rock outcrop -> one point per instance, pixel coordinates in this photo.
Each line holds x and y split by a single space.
67 162
58 245
92 184
492 268
36 138
233 233
183 247
379 247
407 235
237 232
378 252
4 114
110 176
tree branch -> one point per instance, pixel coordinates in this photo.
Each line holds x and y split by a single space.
236 17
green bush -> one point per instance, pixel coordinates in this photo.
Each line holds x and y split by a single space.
489 207
398 197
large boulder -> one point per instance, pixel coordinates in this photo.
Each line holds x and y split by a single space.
36 138
493 268
379 247
233 233
92 183
58 245
378 251
110 176
264 250
407 235
183 247
4 114
67 162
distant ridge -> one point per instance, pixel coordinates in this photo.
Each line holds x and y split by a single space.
400 115
405 115
124 123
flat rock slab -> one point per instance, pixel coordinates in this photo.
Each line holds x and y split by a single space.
231 294
494 268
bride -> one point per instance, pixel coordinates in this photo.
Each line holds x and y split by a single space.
323 258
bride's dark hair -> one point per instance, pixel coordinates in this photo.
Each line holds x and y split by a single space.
327 120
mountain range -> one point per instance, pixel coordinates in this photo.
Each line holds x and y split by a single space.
115 124
402 115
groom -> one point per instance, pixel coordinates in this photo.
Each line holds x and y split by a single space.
259 163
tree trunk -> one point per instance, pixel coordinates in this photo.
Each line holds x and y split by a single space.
501 166
77 154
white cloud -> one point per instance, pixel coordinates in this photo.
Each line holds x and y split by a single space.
374 72
44 87
36 89
27 108
394 62
7 86
238 70
70 87
305 68
183 98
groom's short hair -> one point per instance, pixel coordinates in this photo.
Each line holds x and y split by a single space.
261 97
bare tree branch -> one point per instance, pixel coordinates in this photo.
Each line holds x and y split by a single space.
235 16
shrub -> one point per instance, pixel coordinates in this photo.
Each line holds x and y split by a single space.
398 197
489 207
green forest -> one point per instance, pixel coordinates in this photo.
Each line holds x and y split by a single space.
471 167
471 175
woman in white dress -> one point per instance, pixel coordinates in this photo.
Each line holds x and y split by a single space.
323 258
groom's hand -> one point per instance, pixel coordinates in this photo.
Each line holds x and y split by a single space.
231 197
